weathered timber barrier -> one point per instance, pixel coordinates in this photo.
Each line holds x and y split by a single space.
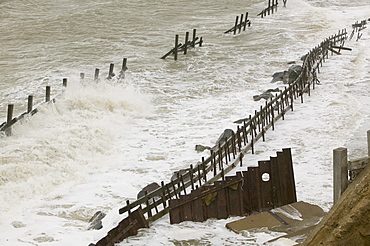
357 28
184 47
344 170
6 127
238 25
230 153
270 9
268 186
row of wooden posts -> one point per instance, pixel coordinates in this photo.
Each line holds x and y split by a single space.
230 153
357 28
6 126
272 6
179 47
239 25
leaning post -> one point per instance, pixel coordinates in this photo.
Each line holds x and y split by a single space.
186 43
340 178
236 24
176 46
194 37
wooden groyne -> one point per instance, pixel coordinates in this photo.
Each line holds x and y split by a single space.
272 6
239 25
6 127
230 153
179 47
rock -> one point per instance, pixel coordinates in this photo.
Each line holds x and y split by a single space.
147 189
265 95
293 73
179 173
201 148
278 76
95 221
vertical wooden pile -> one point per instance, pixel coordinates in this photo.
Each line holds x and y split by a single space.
261 188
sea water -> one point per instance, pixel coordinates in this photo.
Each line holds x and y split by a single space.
102 141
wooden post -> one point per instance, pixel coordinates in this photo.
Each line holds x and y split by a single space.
47 97
241 22
186 43
340 172
194 37
29 104
245 22
236 24
176 46
9 118
64 82
268 10
82 77
110 73
368 142
96 75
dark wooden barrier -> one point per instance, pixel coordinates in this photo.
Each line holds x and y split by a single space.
258 189
179 47
238 25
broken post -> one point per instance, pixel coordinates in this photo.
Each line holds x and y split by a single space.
96 75
340 179
110 73
64 82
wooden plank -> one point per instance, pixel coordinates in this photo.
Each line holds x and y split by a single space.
199 214
175 212
275 179
247 210
210 204
254 189
235 197
264 168
292 195
222 202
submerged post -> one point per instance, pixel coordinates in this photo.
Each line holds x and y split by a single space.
236 24
9 118
82 77
65 82
194 37
241 22
110 73
47 97
340 179
186 43
30 103
176 46
96 75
